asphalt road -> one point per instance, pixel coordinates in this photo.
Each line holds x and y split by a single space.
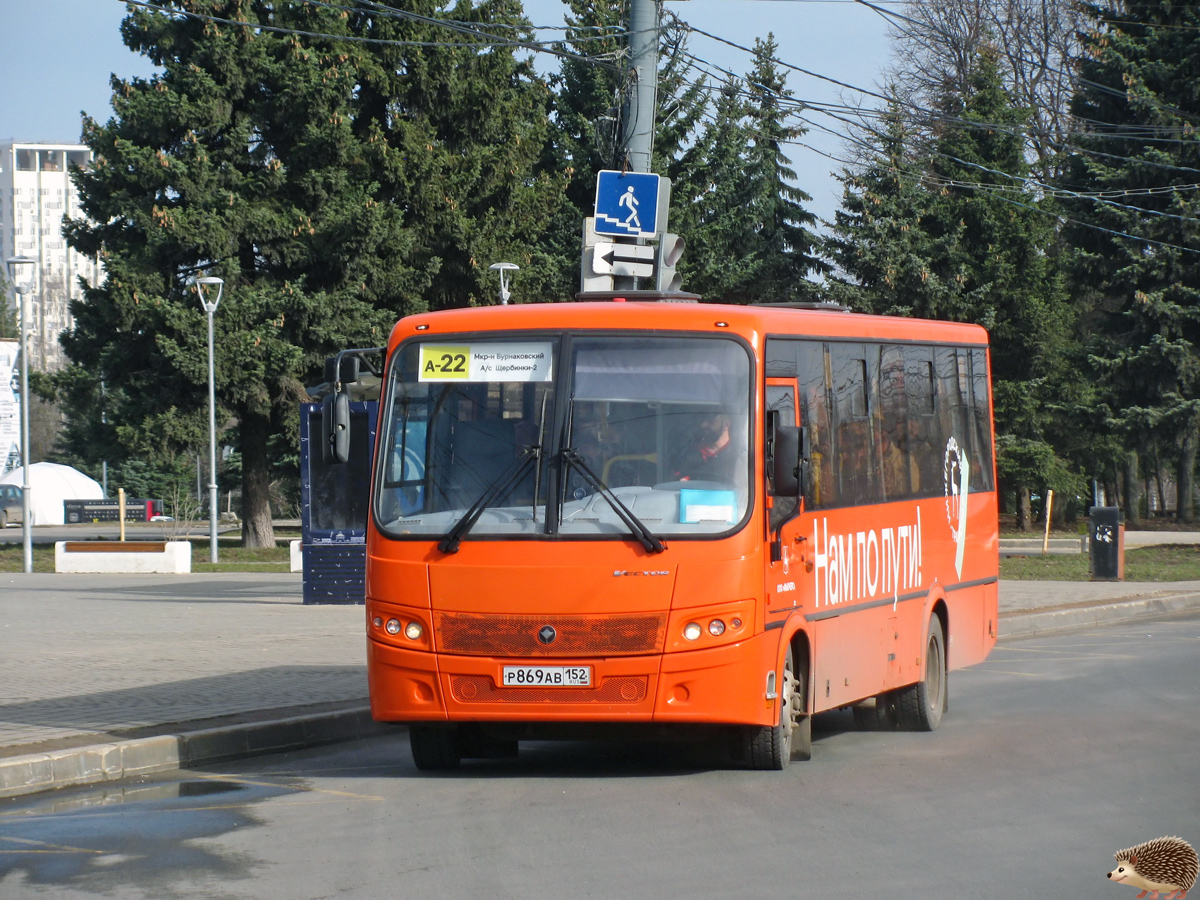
1056 753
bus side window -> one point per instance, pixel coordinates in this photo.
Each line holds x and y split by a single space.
925 443
812 369
981 423
854 440
952 398
901 477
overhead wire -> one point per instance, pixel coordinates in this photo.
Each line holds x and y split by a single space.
998 190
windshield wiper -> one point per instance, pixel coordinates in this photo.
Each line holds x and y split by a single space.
652 542
500 487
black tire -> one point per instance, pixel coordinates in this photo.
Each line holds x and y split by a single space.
434 748
919 707
774 746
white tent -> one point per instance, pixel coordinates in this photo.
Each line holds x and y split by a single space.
49 485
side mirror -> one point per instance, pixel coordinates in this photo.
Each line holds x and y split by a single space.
346 371
785 473
335 428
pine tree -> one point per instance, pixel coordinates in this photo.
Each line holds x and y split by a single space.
1136 223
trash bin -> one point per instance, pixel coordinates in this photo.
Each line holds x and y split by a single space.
1106 543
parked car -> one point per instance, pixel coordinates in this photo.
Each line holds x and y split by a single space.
10 505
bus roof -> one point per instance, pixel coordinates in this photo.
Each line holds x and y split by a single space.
752 322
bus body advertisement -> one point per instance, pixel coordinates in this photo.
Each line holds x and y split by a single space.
662 514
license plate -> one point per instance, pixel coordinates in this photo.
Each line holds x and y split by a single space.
547 676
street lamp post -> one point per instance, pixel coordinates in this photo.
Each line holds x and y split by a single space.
211 283
17 264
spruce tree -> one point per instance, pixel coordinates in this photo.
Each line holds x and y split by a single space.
1135 223
958 235
333 185
751 241
783 244
887 262
1008 280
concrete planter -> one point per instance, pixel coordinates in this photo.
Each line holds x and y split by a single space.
155 557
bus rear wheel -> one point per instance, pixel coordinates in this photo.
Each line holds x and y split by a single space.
774 746
919 707
434 747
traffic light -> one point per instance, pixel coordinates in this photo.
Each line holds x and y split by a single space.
670 249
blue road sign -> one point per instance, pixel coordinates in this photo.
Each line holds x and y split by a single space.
626 203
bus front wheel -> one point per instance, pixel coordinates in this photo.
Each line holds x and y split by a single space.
434 747
919 707
774 746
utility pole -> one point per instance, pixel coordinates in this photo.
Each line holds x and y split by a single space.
637 123
632 203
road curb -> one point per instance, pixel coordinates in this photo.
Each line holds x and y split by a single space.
1027 623
117 760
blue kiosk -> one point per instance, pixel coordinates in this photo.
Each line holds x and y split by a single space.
335 496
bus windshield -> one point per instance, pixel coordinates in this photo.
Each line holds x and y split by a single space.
497 436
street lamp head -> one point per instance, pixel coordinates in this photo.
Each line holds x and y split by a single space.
504 268
209 282
16 266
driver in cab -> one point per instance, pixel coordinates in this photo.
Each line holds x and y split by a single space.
710 455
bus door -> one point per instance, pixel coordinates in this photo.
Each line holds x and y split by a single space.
783 581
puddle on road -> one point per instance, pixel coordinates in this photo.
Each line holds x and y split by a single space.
141 834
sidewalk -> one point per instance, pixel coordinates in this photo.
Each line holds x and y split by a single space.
107 676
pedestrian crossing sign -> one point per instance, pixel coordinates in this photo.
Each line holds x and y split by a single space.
627 203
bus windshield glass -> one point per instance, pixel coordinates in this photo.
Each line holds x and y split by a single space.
502 436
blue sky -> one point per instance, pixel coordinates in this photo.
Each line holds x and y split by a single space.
56 57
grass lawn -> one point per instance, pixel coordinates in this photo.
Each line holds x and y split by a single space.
1166 563
1176 562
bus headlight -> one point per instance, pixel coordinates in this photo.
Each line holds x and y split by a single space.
392 626
691 631
716 628
414 631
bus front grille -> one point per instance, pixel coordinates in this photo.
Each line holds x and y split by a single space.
518 636
482 689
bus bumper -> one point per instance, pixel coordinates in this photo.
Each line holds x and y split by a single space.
725 685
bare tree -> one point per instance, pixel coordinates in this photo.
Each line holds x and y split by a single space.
938 41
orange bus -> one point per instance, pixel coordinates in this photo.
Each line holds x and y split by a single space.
709 517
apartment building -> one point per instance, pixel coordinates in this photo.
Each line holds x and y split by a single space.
35 193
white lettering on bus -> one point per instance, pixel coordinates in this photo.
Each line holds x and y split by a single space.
863 565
